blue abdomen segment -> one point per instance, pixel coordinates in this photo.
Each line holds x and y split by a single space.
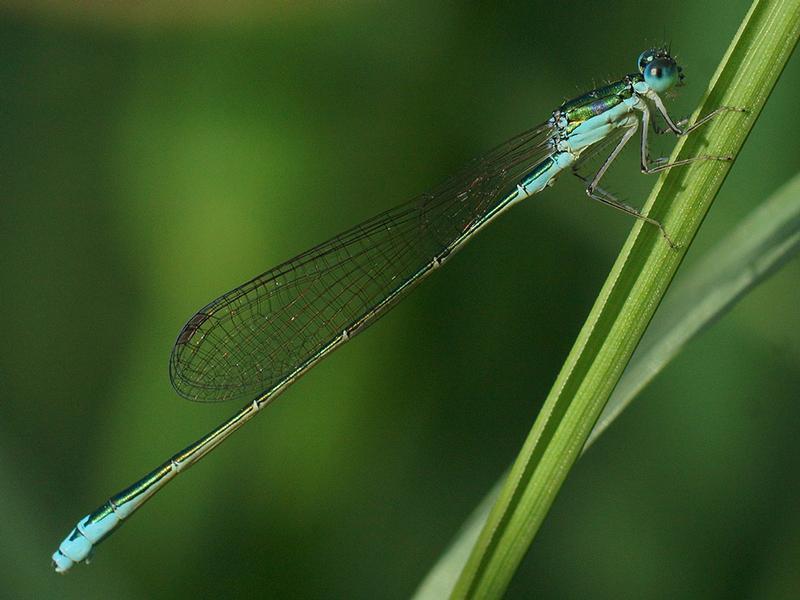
96 526
544 174
90 530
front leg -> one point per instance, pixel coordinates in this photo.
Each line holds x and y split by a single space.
658 130
678 128
648 166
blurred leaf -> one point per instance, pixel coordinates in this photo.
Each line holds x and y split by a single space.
760 245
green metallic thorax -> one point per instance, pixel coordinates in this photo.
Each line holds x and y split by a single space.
596 102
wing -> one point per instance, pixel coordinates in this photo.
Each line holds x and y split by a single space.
267 331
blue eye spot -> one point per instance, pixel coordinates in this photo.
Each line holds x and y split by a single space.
661 74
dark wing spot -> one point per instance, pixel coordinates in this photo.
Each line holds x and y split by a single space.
191 328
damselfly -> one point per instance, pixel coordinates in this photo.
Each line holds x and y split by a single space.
257 339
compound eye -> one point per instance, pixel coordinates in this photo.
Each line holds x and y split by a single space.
646 58
661 74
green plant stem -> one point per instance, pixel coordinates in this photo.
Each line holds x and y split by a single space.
761 244
632 292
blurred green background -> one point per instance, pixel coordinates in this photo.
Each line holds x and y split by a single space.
157 154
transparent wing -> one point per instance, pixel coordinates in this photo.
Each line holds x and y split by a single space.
263 333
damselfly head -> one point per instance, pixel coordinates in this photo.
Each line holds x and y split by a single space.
660 70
